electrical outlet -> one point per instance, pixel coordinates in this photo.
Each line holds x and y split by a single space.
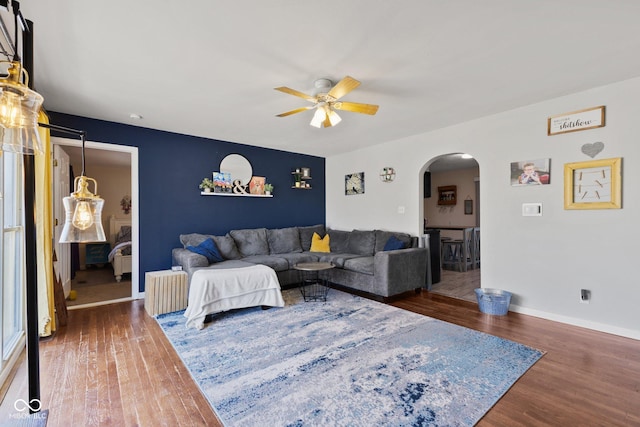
585 296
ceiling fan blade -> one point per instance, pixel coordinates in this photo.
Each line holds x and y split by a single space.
297 110
356 107
343 87
296 93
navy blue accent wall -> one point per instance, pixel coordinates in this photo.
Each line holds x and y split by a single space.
171 166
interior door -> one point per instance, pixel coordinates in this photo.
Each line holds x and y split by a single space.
61 189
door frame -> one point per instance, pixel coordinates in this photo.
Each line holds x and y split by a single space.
135 229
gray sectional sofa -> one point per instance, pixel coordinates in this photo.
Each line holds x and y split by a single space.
360 262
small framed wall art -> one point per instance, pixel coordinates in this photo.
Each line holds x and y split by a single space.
574 121
594 184
354 183
531 172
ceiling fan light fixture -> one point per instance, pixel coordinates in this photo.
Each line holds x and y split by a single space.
334 118
318 118
325 100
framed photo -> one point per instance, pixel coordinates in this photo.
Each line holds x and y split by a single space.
595 184
256 185
574 121
354 183
531 172
468 207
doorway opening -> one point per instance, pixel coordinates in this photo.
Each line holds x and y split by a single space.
451 217
92 274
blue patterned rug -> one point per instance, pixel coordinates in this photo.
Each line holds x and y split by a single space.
347 362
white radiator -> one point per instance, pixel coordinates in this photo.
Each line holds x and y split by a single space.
165 291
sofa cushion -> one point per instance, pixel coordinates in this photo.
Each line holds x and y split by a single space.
273 261
382 237
306 234
393 244
320 244
284 240
363 264
225 244
336 259
339 240
192 239
361 242
209 249
251 241
297 258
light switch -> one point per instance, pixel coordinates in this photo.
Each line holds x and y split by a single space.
400 209
532 209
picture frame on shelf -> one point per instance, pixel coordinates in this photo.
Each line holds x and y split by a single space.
256 185
594 184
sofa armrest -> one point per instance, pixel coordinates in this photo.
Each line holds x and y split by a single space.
400 271
188 260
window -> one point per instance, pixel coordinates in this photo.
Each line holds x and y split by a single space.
12 266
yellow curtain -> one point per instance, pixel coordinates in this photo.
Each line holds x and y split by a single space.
44 233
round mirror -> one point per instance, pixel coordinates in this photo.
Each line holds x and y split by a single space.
238 166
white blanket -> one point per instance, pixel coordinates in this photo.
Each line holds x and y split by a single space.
216 290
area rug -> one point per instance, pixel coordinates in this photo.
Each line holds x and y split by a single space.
345 362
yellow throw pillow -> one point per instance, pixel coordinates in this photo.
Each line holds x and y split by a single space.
318 244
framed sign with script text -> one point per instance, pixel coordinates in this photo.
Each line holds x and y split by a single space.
576 120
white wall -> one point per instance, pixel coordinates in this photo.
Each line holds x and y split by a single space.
544 261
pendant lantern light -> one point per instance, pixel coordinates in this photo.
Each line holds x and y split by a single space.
83 208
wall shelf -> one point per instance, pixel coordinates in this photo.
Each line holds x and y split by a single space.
447 195
204 193
300 177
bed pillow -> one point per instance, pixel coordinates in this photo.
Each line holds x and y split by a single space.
318 244
124 235
209 249
393 243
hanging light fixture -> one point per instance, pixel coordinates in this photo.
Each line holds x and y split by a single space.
19 105
83 208
325 116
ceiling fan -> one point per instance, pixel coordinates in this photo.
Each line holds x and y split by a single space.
326 100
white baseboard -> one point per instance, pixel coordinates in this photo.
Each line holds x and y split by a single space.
601 327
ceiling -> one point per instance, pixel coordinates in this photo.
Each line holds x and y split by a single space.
208 68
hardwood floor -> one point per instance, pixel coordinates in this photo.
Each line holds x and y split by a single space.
112 365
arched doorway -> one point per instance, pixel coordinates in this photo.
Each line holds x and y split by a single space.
451 212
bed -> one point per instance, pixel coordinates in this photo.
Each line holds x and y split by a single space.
120 239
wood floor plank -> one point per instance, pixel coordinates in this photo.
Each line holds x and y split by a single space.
112 365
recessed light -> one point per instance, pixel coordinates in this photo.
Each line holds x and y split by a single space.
135 116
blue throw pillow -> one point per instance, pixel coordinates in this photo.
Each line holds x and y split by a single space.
209 249
393 243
